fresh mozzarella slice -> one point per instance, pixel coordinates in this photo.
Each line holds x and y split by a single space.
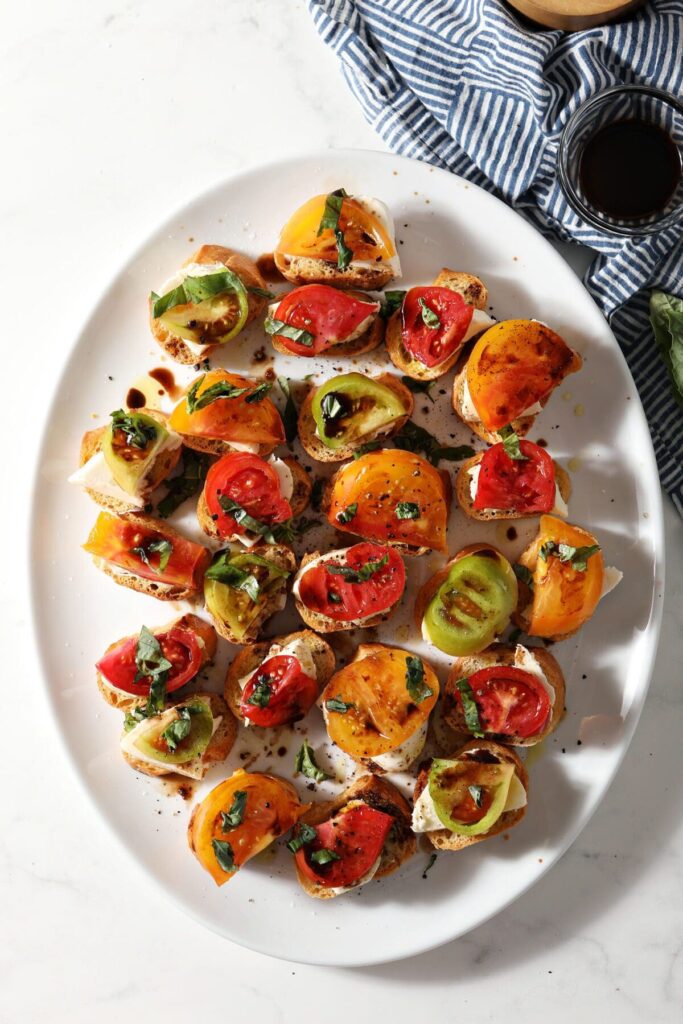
470 414
401 758
425 818
367 877
525 660
95 475
298 649
611 578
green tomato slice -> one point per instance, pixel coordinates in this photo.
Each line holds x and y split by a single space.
233 601
129 463
182 748
473 605
463 790
209 310
352 407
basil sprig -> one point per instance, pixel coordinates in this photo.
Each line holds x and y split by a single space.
279 533
511 444
262 692
179 729
407 510
161 546
305 834
338 705
577 557
423 387
223 571
235 816
331 407
305 763
139 434
391 301
469 707
323 856
189 481
415 681
412 438
348 513
222 389
198 289
224 854
523 574
369 446
429 317
289 417
330 221
151 663
259 392
298 334
362 575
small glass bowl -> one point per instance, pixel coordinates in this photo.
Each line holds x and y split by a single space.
620 103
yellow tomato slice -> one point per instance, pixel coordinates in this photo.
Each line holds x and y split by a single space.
563 597
515 364
230 419
270 809
373 487
364 233
383 712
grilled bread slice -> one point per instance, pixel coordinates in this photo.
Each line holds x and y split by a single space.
310 270
324 623
465 500
370 339
282 556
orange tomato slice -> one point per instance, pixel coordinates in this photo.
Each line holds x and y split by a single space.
377 483
383 712
564 597
364 233
515 364
270 809
230 419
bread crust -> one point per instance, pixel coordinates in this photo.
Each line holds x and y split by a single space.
219 747
253 655
323 623
473 291
443 839
298 501
248 273
203 629
319 451
381 795
308 270
504 654
462 490
91 443
282 556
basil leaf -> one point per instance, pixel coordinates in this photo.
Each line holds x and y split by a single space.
324 856
241 516
178 729
430 864
523 574
222 571
391 301
330 406
291 530
330 221
305 835
279 327
338 705
151 663
134 717
514 635
415 683
305 763
196 290
347 514
262 692
289 417
138 433
224 854
161 304
576 557
511 444
235 816
477 794
195 466
161 546
369 446
263 293
429 317
419 386
259 392
412 438
333 598
470 709
221 389
361 575
666 317
407 510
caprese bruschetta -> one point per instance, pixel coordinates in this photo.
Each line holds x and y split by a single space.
206 303
347 241
392 497
350 411
425 335
474 795
377 707
317 319
513 479
468 603
509 376
342 844
243 589
562 578
276 682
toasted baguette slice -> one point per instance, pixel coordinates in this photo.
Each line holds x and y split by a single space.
323 623
284 558
162 591
473 291
249 659
298 501
162 467
367 341
521 426
248 273
205 633
477 750
219 747
504 654
309 270
214 446
465 500
319 451
380 794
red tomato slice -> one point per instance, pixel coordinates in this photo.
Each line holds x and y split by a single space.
292 692
329 315
526 485
179 646
251 482
330 594
119 541
357 836
451 315
511 702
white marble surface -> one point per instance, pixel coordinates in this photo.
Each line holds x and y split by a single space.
113 114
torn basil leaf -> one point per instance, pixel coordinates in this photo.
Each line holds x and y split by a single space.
338 705
469 707
324 856
189 482
576 557
523 574
391 301
511 444
224 854
235 816
429 317
415 681
138 433
221 389
223 571
362 575
412 438
407 510
305 763
330 222
305 835
178 730
298 334
347 514
262 692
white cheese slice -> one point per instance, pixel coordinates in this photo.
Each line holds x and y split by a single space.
480 322
425 818
401 757
612 577
367 877
298 649
525 660
96 475
191 769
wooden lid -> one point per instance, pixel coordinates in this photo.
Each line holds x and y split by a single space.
572 15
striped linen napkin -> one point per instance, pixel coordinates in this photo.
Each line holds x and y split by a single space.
465 85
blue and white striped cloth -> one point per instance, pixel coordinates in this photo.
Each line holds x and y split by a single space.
465 85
